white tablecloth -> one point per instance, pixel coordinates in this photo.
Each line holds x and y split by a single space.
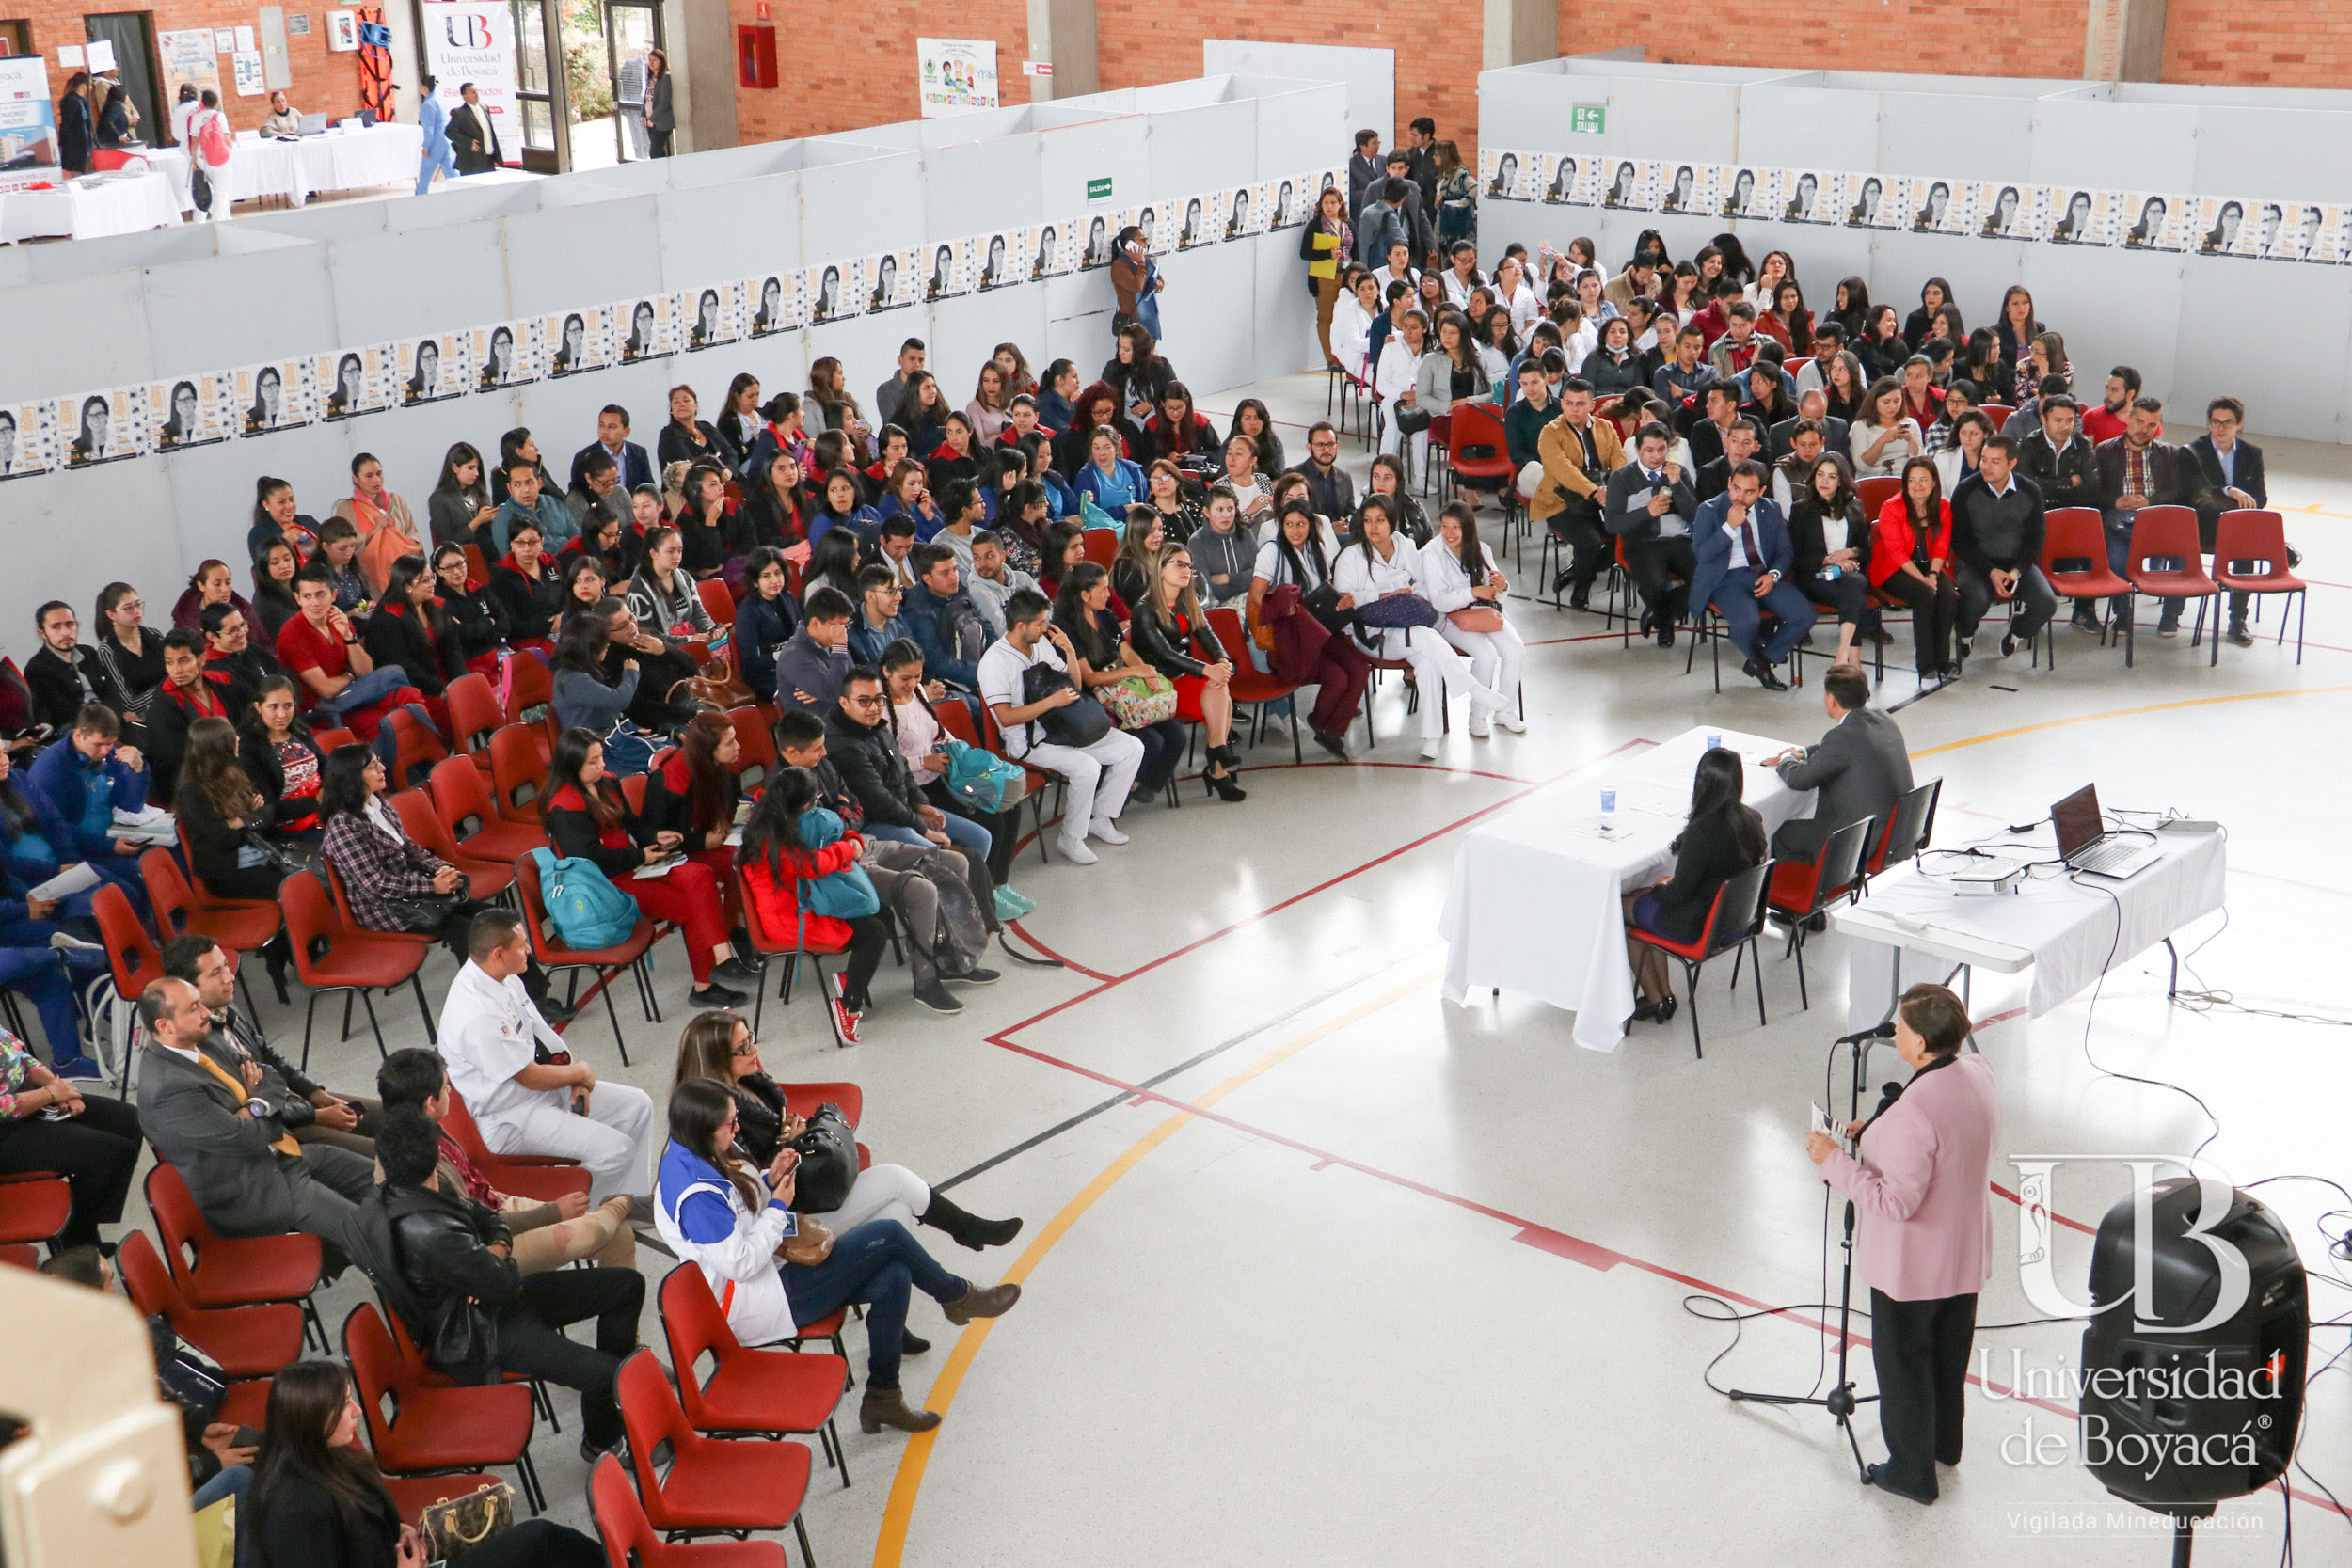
90 208
336 161
2070 929
1536 904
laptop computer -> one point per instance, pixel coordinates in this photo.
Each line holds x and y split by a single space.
2085 843
313 125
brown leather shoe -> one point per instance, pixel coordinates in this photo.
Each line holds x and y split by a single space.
887 1407
992 1301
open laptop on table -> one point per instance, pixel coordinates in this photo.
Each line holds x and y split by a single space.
2085 843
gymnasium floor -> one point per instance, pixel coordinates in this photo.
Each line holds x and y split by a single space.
1321 1270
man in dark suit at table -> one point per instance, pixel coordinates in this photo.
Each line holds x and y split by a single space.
473 135
2228 478
612 440
2140 469
1740 541
1860 769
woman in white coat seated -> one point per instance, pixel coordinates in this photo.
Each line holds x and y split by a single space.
716 1213
1378 577
1352 316
1458 576
1397 384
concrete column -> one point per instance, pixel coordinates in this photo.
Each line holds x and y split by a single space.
1062 32
1520 31
700 40
2123 41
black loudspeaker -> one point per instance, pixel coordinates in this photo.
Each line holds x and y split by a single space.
2179 1421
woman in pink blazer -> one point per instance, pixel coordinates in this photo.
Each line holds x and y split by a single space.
1920 1190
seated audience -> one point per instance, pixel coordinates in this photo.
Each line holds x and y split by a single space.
46 1125
1911 560
918 733
1831 541
1997 532
284 762
1098 764
77 788
65 676
1650 508
1105 661
313 1113
1740 544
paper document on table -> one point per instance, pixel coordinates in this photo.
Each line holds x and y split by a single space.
78 877
1598 829
148 825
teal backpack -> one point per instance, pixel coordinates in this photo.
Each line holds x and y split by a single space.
982 780
582 905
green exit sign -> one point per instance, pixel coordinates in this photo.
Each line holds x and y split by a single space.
1588 119
1099 189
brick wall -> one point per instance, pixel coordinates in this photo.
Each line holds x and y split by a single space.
1930 36
860 69
325 82
2287 44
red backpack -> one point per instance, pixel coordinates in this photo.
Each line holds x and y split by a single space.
212 139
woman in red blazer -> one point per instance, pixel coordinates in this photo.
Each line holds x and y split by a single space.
1924 1242
774 859
1911 560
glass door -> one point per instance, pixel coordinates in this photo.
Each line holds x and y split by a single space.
536 90
605 43
632 29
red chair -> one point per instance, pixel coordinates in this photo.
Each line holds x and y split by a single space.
485 879
131 956
2078 533
34 1206
462 800
412 1494
435 1431
630 1541
2252 537
792 951
327 740
544 1177
1101 546
477 566
332 955
956 719
751 1393
415 749
717 600
1479 425
606 962
1997 412
1803 890
202 902
1878 489
1905 830
519 755
530 690
714 1485
758 756
215 1271
474 716
2161 533
248 1341
1733 923
1250 684
242 925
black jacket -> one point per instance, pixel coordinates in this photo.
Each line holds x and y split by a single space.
673 446
759 1118
283 1084
238 676
2067 478
431 659
1706 856
573 831
529 607
168 719
1334 497
73 132
1810 545
670 799
258 759
1170 654
761 628
444 1267
474 140
1965 545
872 770
56 686
479 620
2249 471
213 846
301 1527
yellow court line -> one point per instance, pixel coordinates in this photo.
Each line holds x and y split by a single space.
890 1547
2126 713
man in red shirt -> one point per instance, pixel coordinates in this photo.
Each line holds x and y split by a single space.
2106 421
322 653
1715 320
1922 399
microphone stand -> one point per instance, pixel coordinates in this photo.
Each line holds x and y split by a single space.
1841 1401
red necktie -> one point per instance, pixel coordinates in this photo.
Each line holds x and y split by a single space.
1747 543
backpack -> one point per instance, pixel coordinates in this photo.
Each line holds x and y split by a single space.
582 905
982 780
212 139
843 895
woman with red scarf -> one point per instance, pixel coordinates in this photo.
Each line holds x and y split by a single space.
388 530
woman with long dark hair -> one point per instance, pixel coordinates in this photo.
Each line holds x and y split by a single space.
1106 659
215 802
518 443
126 650
839 503
587 818
1294 558
285 764
1851 308
1911 560
730 1221
764 621
1831 540
1251 418
776 858
459 509
1934 294
585 581
1723 838
1883 438
276 516
412 629
1172 633
1791 322
318 1499
1139 544
694 794
773 502
917 730
474 615
1459 576
833 563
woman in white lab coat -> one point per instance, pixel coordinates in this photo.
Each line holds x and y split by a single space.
1352 316
1458 577
1378 577
1397 383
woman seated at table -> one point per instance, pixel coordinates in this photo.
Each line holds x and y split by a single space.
1723 838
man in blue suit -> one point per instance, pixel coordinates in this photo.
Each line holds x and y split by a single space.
433 119
1742 544
612 440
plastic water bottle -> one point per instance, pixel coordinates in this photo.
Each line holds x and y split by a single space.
1714 738
1607 806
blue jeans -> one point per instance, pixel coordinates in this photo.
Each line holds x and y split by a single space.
879 1263
31 966
962 831
2120 562
443 158
235 1481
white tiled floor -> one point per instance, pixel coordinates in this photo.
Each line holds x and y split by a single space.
1305 1326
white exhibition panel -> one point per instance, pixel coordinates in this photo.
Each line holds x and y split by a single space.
1367 77
2176 316
337 276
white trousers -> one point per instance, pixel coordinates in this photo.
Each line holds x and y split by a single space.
1099 776
1494 656
1436 669
615 1140
218 211
1392 442
881 1193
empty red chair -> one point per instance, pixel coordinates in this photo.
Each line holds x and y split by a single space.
2255 538
544 1177
519 755
714 1485
757 757
34 1206
630 1541
474 716
435 1431
331 955
248 1341
477 566
2160 533
239 925
751 1393
328 741
1875 491
1475 424
129 949
461 798
487 878
530 690
717 600
1801 890
415 748
20 1255
1101 546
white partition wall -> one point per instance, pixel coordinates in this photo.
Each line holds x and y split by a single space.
338 279
2186 318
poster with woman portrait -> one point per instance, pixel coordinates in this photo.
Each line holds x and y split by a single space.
2218 225
190 411
505 354
775 303
1688 189
578 341
2334 246
1940 206
2011 211
941 272
279 395
1157 221
2080 216
103 427
1053 248
1280 199
1101 230
1749 191
1238 210
2152 220
1194 225
652 326
426 370
890 277
353 382
836 291
2292 232
1811 196
1499 174
1000 261
28 439
718 317
1632 184
1864 202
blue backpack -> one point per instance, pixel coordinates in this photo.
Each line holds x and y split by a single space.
582 905
844 895
982 780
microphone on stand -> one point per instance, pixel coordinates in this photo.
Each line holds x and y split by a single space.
1883 1030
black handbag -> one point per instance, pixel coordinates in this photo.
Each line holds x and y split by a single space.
1077 724
828 1167
1322 603
199 186
423 912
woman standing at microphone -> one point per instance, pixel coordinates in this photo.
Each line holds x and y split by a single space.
1919 1185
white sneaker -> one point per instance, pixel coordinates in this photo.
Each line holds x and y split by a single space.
1478 727
1107 830
1429 748
1509 720
1074 850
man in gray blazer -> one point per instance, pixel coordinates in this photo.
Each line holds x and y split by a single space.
247 1175
1860 767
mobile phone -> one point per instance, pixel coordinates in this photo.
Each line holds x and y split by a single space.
245 1438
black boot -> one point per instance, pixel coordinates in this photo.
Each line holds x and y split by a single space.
967 1229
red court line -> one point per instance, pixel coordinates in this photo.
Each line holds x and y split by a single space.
1067 961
